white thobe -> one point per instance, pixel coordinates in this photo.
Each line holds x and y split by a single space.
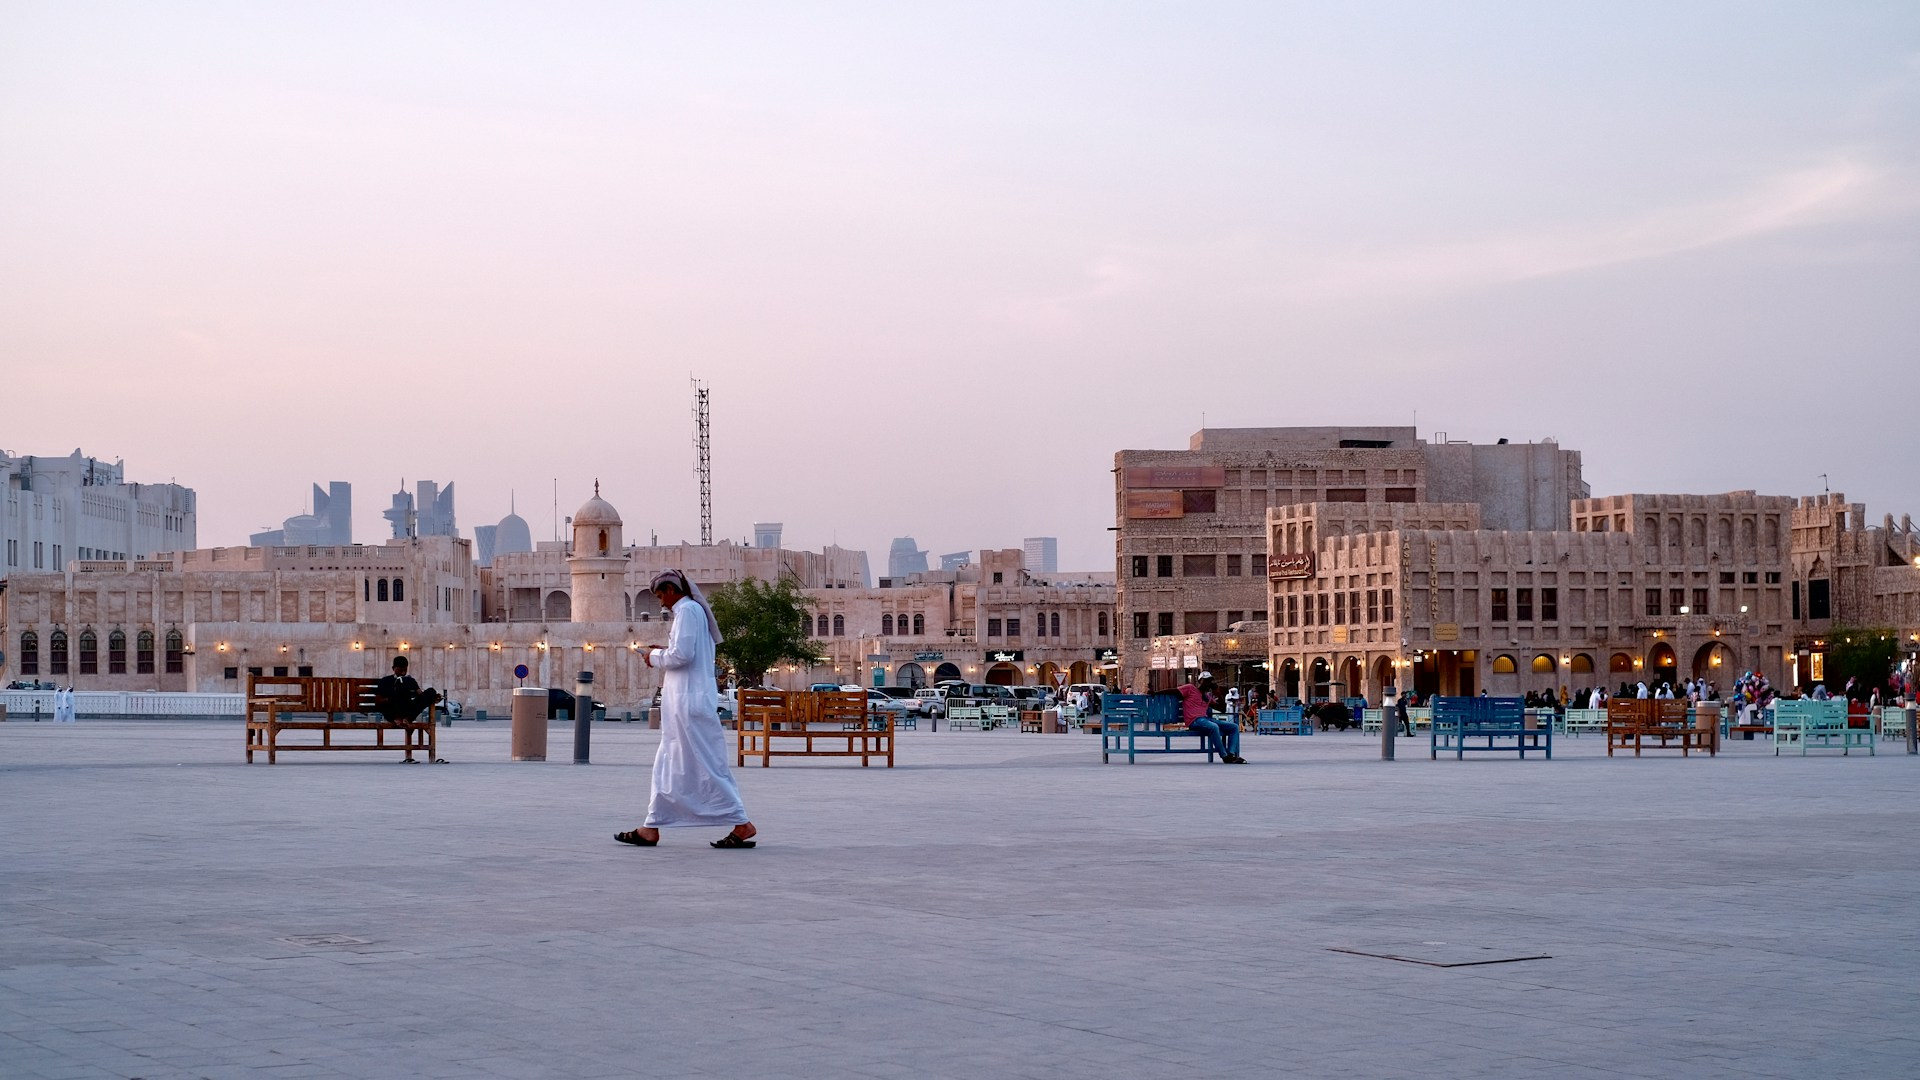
691 782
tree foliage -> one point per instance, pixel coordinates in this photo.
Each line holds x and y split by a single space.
1865 654
764 624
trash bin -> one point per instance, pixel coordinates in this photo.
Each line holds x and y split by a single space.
529 723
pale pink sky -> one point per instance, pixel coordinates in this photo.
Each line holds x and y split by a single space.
939 262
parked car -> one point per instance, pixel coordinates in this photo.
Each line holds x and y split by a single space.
1030 697
878 704
558 700
933 701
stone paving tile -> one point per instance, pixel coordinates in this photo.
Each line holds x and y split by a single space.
999 905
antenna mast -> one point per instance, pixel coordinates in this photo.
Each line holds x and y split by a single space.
703 447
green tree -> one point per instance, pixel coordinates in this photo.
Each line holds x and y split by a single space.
764 625
1865 654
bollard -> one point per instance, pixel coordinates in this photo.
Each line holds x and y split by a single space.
582 717
529 723
1913 747
479 716
1389 726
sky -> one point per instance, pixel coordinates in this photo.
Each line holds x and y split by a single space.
939 262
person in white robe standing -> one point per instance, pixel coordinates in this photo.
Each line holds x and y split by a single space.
692 784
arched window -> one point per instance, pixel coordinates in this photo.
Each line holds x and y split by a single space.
919 625
886 625
1056 624
1103 624
29 653
176 653
366 588
1619 663
399 590
89 653
116 653
381 593
1582 664
1543 664
603 541
839 626
1504 665
821 627
143 653
57 653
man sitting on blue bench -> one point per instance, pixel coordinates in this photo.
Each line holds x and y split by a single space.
1196 708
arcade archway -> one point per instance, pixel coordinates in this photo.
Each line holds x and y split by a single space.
910 675
1004 675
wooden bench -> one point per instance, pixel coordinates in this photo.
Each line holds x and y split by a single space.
330 705
1658 724
1490 724
1133 719
1287 720
802 723
1823 725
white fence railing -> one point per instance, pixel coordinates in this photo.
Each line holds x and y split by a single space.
25 704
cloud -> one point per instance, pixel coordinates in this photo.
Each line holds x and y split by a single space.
1840 190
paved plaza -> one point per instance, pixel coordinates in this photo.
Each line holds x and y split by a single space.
998 905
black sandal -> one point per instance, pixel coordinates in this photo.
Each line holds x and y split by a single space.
732 841
632 836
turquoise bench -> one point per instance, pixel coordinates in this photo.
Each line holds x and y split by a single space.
960 717
1584 722
1817 725
1481 725
1147 724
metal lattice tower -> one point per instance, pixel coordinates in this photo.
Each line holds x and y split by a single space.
703 447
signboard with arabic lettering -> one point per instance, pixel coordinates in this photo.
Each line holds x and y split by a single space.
1290 566
1179 476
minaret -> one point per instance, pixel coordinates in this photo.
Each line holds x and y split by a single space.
598 562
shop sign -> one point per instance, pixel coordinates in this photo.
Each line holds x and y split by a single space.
1007 656
1160 663
1290 567
1150 505
1108 656
1176 477
1190 661
1446 631
1341 635
926 657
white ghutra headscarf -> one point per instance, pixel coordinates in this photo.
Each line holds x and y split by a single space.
692 592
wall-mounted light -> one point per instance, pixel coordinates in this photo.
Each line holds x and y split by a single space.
589 646
1636 663
1685 610
359 645
283 648
404 646
494 646
222 647
541 645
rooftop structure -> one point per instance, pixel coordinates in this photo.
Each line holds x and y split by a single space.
60 509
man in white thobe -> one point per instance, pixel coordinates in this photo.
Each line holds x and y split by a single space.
692 784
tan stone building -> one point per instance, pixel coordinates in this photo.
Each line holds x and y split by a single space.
1192 545
1654 587
204 620
991 622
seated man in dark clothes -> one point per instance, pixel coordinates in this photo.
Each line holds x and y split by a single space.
399 698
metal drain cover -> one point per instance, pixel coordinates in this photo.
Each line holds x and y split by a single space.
311 940
1444 954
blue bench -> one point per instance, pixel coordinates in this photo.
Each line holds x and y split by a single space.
1288 720
1462 724
1134 723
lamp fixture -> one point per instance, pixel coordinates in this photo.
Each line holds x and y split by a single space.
359 645
495 646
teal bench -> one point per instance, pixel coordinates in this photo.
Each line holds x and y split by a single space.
1817 725
1480 725
1147 724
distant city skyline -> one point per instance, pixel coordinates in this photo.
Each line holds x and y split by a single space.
939 263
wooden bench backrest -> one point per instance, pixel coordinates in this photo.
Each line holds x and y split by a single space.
793 709
313 693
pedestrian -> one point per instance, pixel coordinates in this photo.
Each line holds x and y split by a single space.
691 782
